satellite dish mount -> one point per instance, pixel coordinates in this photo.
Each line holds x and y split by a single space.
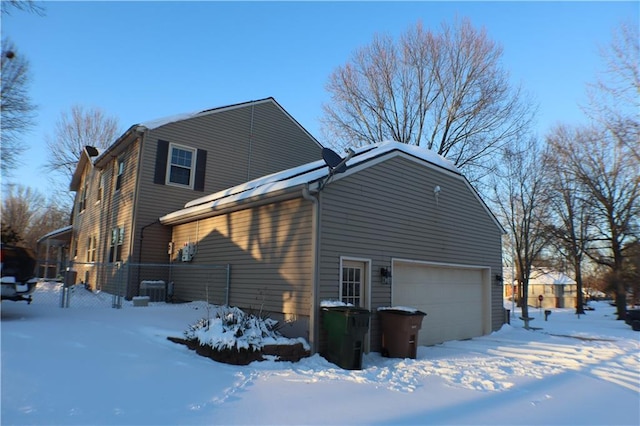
335 163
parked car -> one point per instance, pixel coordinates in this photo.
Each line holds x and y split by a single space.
17 266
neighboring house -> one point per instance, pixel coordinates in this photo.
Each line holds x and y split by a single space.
53 249
156 167
557 289
400 227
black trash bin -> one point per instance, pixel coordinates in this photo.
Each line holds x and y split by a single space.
346 327
400 331
632 315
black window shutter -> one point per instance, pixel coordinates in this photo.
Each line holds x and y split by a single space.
201 166
161 162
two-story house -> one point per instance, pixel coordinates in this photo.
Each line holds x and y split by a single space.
156 167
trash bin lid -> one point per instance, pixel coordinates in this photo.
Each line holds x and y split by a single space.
401 310
345 309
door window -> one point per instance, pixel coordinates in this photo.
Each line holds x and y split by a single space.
352 285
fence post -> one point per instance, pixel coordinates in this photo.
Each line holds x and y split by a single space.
117 298
226 294
67 281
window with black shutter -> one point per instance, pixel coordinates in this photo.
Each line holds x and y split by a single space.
180 165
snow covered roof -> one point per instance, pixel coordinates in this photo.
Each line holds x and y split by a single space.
544 276
154 124
541 276
302 175
134 131
56 233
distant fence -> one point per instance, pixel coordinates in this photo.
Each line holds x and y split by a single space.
102 284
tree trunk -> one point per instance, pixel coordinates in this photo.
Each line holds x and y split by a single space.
621 299
524 302
579 297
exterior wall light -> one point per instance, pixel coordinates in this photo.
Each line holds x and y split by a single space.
385 274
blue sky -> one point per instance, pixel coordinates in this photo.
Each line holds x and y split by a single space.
145 60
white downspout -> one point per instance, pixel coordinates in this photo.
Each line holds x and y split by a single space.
314 326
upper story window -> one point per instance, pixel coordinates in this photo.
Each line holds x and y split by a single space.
120 174
92 244
100 187
82 200
115 248
181 165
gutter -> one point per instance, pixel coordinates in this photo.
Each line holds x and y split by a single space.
314 317
119 145
198 212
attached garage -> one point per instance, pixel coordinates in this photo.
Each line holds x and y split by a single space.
310 234
455 298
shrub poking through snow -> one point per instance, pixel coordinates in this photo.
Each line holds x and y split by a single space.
232 328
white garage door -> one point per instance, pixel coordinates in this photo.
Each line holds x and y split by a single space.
453 298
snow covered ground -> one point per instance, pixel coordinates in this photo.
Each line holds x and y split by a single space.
102 366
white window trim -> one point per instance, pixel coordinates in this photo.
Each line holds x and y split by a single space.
192 176
367 290
100 193
120 164
366 281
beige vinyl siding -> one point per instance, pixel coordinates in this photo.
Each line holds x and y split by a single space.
268 248
236 152
86 224
100 217
389 211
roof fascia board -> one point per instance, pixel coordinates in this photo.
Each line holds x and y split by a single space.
118 146
74 185
56 233
387 156
306 132
208 210
157 123
396 153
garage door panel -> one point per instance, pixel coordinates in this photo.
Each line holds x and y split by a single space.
451 297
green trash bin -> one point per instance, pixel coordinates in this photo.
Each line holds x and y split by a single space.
400 330
346 327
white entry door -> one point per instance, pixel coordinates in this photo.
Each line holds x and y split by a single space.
354 285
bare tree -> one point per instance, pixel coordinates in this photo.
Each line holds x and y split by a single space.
29 215
521 202
614 100
74 130
444 91
19 206
610 177
23 5
17 110
572 210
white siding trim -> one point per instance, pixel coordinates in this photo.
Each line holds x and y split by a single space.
367 262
